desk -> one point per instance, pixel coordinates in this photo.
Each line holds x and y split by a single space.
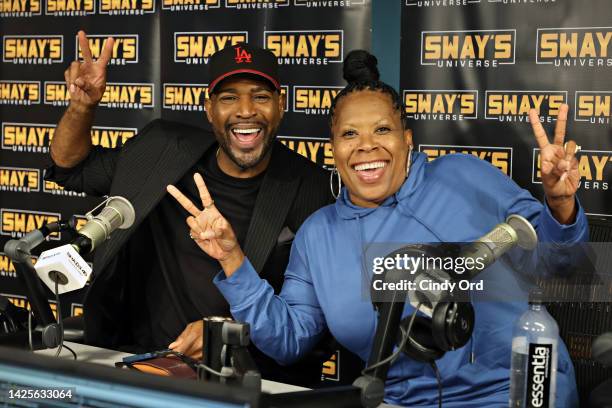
96 355
107 357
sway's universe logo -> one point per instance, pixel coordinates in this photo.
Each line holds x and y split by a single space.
128 95
328 3
185 97
70 8
7 268
317 150
125 47
424 104
197 47
522 2
27 137
190 5
514 106
314 100
440 3
500 157
593 107
19 92
20 8
111 137
51 187
468 48
56 93
16 223
127 7
575 47
19 179
255 4
594 166
320 47
33 49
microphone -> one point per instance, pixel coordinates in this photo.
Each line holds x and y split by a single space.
601 349
482 252
503 237
65 265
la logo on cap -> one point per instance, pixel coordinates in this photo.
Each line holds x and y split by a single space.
242 56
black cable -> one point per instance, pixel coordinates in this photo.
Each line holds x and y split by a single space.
72 351
60 321
30 330
434 366
400 348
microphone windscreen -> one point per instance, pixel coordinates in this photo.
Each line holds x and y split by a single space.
125 210
527 238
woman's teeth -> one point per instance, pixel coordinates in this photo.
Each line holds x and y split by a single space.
370 166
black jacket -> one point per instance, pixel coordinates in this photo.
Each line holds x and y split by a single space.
292 189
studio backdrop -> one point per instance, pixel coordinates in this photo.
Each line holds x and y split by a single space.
472 69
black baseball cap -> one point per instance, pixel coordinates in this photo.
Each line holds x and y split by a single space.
243 58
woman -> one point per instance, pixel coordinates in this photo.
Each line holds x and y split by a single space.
392 194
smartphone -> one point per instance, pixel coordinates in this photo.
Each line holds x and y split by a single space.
145 356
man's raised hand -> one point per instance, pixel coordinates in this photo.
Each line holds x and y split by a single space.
86 81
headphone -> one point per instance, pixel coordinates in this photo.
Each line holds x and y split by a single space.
451 324
449 328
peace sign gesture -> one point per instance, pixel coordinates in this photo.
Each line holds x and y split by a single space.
559 167
209 229
86 81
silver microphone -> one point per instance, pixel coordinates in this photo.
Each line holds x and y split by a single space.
64 265
484 252
503 237
118 213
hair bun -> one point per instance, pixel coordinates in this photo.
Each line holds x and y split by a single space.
360 66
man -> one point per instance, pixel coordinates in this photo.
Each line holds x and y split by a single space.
152 280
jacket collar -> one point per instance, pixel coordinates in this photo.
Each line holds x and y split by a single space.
145 186
274 200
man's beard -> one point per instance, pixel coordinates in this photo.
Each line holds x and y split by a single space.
250 159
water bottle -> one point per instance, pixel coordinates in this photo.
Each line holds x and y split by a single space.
533 371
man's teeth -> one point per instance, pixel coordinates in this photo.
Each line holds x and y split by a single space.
370 166
246 131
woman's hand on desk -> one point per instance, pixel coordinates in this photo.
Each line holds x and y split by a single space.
209 229
190 341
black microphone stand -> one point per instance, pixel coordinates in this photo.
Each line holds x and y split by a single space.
389 317
19 252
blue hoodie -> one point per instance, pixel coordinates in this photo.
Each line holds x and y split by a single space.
456 198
